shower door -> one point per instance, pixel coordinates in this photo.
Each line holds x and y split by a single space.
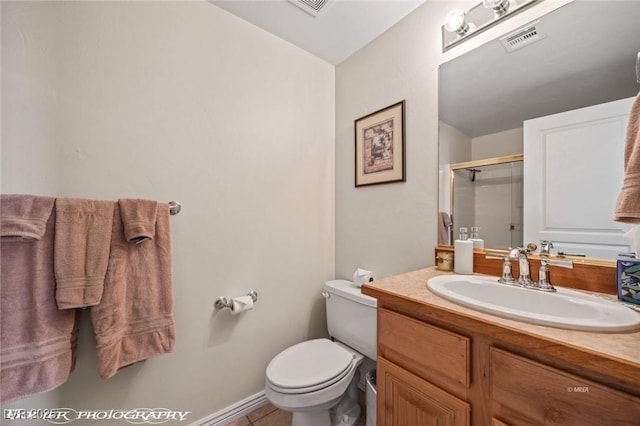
488 194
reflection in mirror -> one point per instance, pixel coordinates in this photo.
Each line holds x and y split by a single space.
487 195
582 54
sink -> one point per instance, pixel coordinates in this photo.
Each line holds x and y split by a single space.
569 309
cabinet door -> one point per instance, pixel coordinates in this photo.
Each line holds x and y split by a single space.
407 400
528 393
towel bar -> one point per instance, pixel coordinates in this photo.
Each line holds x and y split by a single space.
224 302
174 208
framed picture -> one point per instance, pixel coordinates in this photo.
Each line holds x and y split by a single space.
379 139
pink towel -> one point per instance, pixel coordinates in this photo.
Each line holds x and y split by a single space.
37 341
134 320
83 237
628 206
139 219
444 229
24 216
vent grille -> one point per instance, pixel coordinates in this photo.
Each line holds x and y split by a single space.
312 7
522 37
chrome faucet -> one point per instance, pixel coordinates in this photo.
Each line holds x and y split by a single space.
544 279
525 267
545 247
507 276
524 280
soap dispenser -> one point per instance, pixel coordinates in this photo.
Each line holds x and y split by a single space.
463 257
478 243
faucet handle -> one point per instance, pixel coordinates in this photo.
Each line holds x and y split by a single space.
514 253
544 278
545 247
507 276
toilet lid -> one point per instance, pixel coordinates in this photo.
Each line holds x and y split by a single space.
309 363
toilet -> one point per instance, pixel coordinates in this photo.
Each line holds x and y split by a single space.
317 380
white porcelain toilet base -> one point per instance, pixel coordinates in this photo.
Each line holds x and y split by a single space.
320 414
311 418
317 408
326 415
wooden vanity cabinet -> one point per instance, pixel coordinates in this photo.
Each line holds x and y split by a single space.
409 400
414 390
432 372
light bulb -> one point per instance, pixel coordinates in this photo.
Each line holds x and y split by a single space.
455 22
500 7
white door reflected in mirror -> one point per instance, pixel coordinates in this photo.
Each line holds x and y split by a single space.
572 177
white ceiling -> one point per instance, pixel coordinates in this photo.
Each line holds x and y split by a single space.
587 56
341 28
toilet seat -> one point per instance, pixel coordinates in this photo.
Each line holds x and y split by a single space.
309 366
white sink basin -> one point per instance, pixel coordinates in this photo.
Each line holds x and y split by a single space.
566 308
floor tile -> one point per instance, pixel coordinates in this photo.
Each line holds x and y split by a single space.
276 418
243 421
261 412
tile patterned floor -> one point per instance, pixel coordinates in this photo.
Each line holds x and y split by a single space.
268 415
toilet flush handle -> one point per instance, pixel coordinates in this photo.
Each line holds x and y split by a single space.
325 295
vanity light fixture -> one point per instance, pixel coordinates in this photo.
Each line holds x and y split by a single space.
460 25
455 22
500 7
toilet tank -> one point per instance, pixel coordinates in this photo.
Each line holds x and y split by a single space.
351 316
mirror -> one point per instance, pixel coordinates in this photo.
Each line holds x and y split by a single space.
579 55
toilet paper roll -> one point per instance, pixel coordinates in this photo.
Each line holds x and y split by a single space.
241 304
362 276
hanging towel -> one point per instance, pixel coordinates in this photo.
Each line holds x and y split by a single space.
83 237
444 225
134 320
37 341
139 219
628 206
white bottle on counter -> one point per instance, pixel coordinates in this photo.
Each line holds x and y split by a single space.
463 257
478 243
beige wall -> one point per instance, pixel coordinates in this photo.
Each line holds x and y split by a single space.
391 228
508 142
181 101
454 147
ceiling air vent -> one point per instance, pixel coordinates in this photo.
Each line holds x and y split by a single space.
522 37
312 7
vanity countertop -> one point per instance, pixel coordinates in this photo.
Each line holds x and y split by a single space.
616 354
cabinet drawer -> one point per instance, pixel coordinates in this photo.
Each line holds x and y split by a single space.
424 346
545 395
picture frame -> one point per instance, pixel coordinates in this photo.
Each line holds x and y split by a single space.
380 146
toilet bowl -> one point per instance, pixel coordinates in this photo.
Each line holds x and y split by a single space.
317 380
311 377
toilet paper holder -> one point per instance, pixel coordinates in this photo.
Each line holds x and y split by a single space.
224 302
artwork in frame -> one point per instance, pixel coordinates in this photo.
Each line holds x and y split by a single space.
379 150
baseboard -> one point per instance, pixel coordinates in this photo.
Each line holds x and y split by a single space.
233 412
